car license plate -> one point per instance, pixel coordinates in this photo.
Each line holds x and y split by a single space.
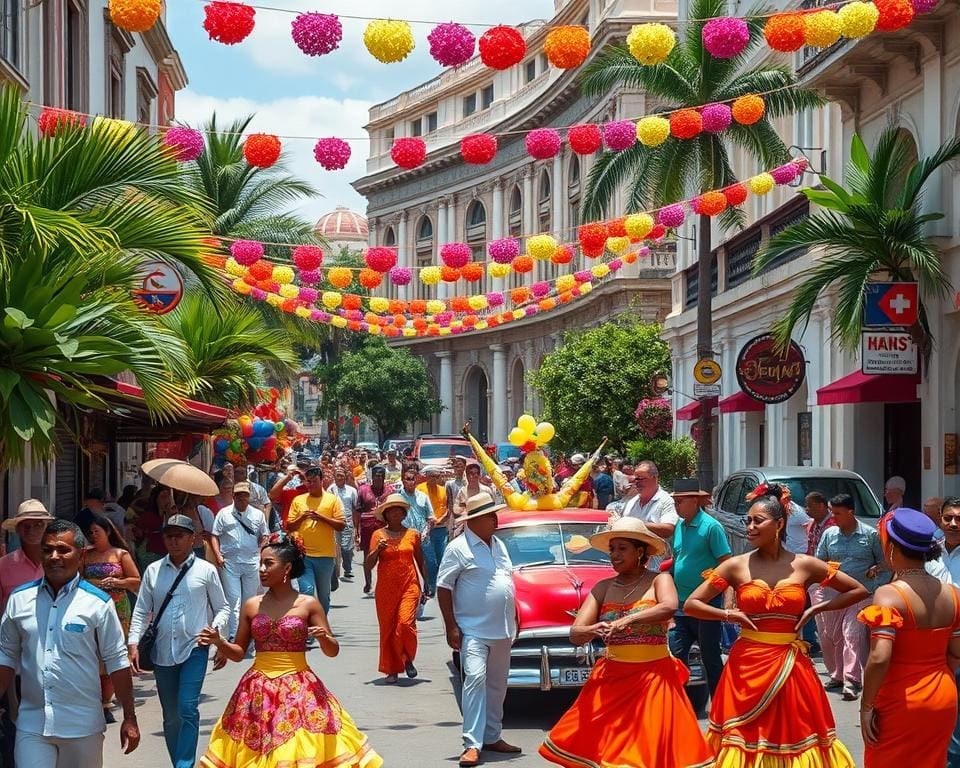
574 675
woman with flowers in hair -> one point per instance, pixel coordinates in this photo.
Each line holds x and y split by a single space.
770 709
280 713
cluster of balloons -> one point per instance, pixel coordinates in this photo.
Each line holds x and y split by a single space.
528 435
255 437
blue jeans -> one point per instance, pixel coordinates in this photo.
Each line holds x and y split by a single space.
179 690
953 751
688 631
433 549
316 579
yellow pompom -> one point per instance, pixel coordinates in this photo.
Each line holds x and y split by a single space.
585 288
134 15
761 183
303 312
858 19
241 286
388 41
618 245
331 299
518 314
638 225
651 43
444 330
274 300
409 332
379 305
338 322
821 29
283 275
653 131
481 325
565 283
599 270
478 302
498 270
435 306
542 246
289 291
234 268
430 275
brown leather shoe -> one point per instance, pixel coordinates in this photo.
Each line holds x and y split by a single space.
502 746
470 757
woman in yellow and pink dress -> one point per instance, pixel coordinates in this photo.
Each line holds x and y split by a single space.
281 715
633 711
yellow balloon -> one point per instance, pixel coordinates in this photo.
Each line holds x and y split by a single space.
517 437
527 423
545 432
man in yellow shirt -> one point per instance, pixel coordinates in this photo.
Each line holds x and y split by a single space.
317 516
435 540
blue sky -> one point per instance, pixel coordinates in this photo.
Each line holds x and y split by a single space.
294 94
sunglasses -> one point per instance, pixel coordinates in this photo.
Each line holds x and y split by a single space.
950 518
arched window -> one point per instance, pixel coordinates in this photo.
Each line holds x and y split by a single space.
476 236
425 230
424 250
543 203
573 191
911 157
390 237
515 222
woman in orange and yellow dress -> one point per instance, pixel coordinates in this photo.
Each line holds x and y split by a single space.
909 705
633 710
770 709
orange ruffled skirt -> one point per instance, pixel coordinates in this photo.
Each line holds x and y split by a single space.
630 714
770 710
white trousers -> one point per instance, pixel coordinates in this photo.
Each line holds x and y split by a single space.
484 666
240 583
38 751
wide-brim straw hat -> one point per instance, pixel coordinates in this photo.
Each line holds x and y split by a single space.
629 528
181 476
31 509
393 500
479 505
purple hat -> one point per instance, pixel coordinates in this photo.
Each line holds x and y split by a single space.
911 529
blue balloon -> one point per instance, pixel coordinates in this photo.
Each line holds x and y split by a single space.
266 429
220 445
255 443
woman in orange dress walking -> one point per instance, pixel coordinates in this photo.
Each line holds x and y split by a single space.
395 551
770 709
633 710
909 705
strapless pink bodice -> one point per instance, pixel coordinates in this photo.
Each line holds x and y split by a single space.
288 633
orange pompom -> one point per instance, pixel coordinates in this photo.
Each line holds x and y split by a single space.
685 124
370 278
785 32
748 110
520 295
617 227
522 263
711 203
567 47
472 272
449 274
351 301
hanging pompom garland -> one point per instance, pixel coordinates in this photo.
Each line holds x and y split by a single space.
563 255
135 15
893 14
504 250
234 268
748 110
380 258
311 276
735 194
685 124
543 143
449 274
186 143
408 152
283 275
246 252
726 37
761 183
332 153
585 139
317 34
619 135
340 277
716 117
592 238
671 216
451 44
501 47
540 289
541 247
784 174
52 120
653 131
567 47
617 244
709 203
261 150
657 232
472 272
388 41
858 19
261 270
784 32
455 254
307 258
498 270
924 6
638 225
651 43
370 278
228 23
522 264
821 29
478 148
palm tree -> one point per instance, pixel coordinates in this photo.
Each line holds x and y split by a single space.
872 229
654 177
80 213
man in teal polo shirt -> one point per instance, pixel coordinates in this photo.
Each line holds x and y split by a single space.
699 544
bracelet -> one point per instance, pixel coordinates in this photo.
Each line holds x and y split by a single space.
726 615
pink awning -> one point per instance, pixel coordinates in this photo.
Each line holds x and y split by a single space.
691 411
740 402
858 388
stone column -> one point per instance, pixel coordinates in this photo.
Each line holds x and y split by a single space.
372 231
530 403
441 237
498 427
558 196
529 204
403 253
446 289
446 391
497 228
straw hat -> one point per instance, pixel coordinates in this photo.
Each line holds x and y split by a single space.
181 476
241 487
629 528
479 505
688 487
393 500
31 509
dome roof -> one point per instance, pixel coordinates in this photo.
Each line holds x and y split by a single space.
342 224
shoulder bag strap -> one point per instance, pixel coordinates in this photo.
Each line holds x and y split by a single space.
169 596
242 524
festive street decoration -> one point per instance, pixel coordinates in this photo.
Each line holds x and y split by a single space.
619 135
455 255
671 216
504 250
725 38
501 47
685 124
567 47
541 247
258 436
380 258
332 153
858 19
307 258
821 29
400 276
716 118
651 43
451 45
186 143
784 32
748 110
134 15
53 120
653 131
317 34
261 150
585 139
543 143
388 41
478 148
246 252
228 22
340 277
893 14
408 152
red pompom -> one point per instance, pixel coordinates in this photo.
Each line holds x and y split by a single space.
228 23
409 152
685 124
380 258
307 257
585 139
261 150
894 14
592 237
735 195
52 120
478 148
502 47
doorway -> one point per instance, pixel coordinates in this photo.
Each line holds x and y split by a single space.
902 447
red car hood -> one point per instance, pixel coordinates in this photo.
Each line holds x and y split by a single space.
550 595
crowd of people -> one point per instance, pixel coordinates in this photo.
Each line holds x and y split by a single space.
153 581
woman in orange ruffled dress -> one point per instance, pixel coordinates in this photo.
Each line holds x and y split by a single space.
281 715
633 710
909 700
770 709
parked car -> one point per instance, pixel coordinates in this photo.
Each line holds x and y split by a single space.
369 447
730 504
402 447
437 450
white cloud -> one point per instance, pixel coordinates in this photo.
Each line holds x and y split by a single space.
308 116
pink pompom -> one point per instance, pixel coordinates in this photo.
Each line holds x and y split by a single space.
332 153
451 44
381 259
317 34
409 152
318 317
186 142
311 276
503 251
539 290
307 257
585 139
644 251
246 252
543 143
308 295
443 318
924 6
258 293
615 265
716 117
478 148
455 255
726 37
620 135
400 276
583 276
532 309
671 216
495 299
785 173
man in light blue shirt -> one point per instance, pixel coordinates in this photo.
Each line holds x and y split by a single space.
55 631
420 513
476 596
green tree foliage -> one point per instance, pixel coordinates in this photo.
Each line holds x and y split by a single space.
591 385
674 458
388 385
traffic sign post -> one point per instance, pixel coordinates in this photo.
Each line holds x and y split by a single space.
891 304
701 391
707 371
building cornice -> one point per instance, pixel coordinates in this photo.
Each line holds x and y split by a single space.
164 55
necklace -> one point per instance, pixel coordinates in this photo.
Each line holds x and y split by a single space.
621 584
910 572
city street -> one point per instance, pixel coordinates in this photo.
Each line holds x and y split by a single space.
413 724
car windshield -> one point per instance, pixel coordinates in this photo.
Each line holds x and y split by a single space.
552 543
444 450
867 505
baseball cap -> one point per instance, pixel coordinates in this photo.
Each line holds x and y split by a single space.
180 521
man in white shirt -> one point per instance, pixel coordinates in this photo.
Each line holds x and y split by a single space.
476 596
653 505
55 632
798 523
348 497
180 664
239 531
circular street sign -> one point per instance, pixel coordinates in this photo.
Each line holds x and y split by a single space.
707 371
161 289
766 375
